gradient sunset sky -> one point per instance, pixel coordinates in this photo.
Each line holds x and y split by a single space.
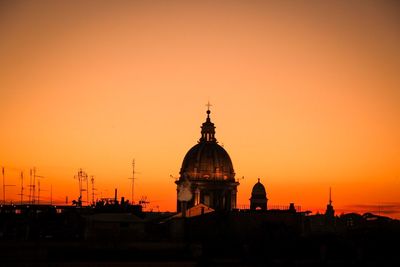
305 94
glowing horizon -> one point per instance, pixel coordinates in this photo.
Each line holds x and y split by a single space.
305 96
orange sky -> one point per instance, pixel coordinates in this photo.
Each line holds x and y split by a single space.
305 96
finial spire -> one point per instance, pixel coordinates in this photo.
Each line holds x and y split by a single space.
208 105
208 128
330 196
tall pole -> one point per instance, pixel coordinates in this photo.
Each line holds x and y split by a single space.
38 200
93 189
30 186
4 188
34 186
133 182
87 191
22 187
82 177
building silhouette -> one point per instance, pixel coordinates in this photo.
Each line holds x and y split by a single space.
258 200
207 173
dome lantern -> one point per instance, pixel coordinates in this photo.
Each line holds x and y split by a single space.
208 129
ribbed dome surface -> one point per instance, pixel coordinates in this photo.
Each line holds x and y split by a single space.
209 161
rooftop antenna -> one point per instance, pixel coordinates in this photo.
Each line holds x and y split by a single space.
5 186
38 181
39 190
133 182
143 201
87 191
30 187
81 177
93 189
51 194
22 188
38 198
33 186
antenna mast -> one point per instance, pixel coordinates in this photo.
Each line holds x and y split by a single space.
4 186
82 177
133 182
30 186
34 186
93 189
22 187
38 200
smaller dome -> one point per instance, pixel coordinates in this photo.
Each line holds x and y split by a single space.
258 190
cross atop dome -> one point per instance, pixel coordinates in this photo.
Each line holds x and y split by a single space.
208 128
208 105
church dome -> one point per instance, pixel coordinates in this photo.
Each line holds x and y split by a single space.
207 160
258 190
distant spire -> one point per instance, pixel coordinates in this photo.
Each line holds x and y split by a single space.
258 179
208 128
330 212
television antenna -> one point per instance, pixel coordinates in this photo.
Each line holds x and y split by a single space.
5 186
143 201
82 177
32 186
93 189
133 182
22 188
